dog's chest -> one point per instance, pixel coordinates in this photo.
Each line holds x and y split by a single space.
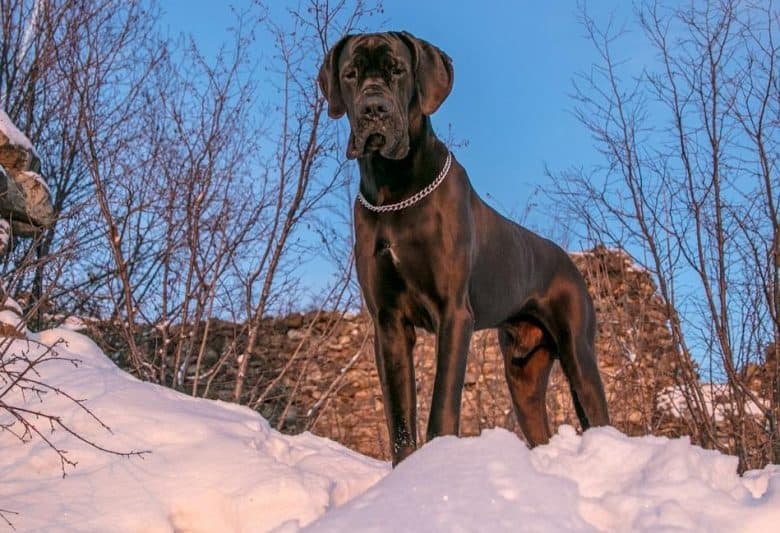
396 266
387 255
394 258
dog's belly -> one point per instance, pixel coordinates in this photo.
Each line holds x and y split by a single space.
512 268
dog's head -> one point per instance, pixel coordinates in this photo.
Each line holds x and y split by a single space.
383 82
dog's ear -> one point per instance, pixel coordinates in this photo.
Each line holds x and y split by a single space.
433 72
328 79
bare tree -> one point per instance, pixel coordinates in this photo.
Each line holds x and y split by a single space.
191 188
305 161
61 63
689 187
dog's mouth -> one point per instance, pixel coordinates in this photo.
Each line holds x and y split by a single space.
378 139
374 142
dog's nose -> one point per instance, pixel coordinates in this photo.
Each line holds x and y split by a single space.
375 107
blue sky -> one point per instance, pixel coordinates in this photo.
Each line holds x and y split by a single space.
514 62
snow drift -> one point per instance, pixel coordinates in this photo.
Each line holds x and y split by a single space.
214 466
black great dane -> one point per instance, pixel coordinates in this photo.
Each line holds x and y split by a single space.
431 254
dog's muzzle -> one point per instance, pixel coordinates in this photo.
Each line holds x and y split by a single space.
378 127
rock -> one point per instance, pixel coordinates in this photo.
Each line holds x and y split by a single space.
5 235
23 229
12 199
471 376
294 321
295 334
39 209
16 152
25 199
7 330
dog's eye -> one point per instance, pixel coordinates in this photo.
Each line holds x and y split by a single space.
350 74
397 71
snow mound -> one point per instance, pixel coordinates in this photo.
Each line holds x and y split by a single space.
212 466
717 401
215 466
601 481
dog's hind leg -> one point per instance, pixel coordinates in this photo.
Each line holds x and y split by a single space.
527 364
578 362
571 320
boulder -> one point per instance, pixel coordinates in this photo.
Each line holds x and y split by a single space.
38 206
12 200
25 199
16 152
5 235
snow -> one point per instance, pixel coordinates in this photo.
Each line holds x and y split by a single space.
215 466
15 137
10 312
212 466
716 398
601 481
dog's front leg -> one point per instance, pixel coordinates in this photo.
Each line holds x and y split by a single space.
452 348
394 343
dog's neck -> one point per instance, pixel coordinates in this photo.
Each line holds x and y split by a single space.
385 181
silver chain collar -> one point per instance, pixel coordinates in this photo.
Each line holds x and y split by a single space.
412 199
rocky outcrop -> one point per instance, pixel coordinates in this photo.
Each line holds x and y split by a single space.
25 208
637 357
25 200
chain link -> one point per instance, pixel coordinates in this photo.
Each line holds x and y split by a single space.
412 199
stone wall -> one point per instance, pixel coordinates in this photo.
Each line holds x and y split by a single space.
332 388
316 371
